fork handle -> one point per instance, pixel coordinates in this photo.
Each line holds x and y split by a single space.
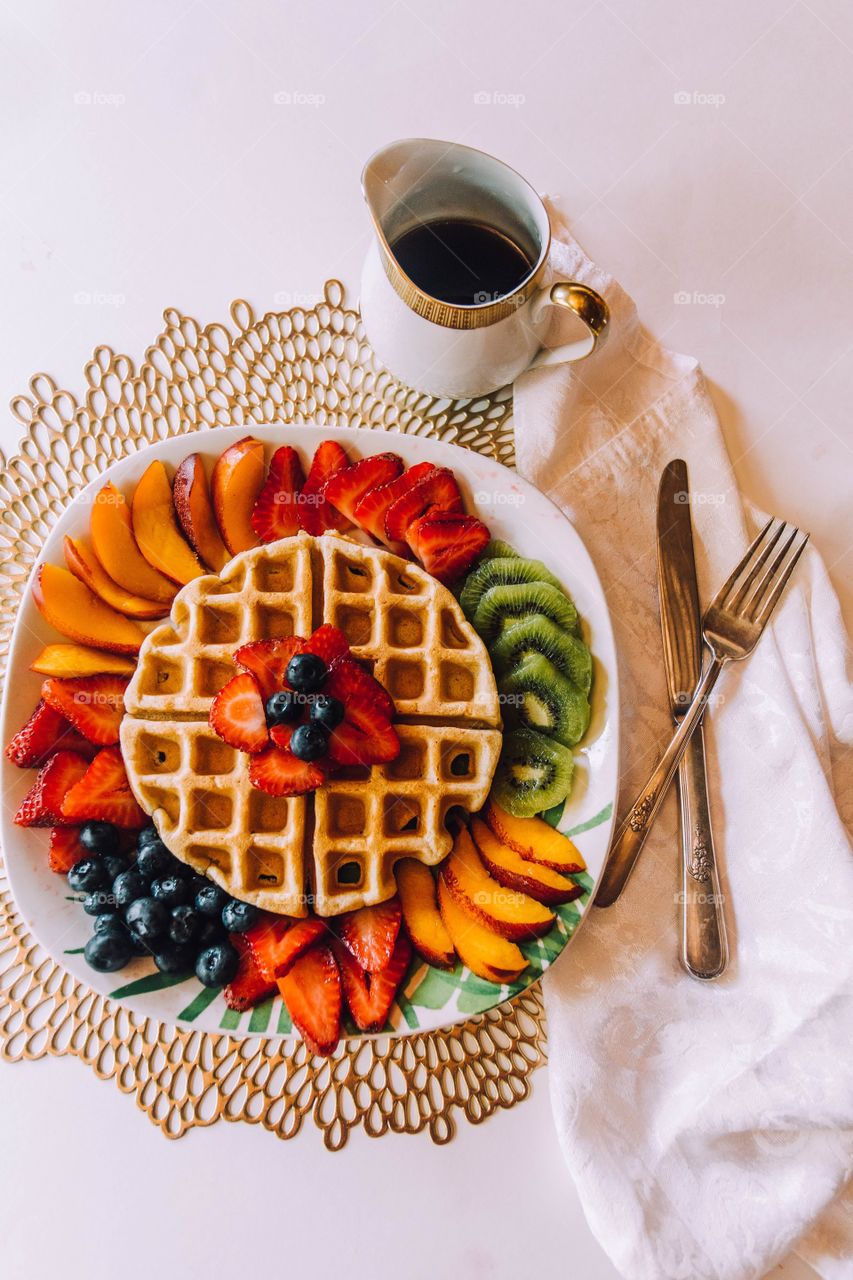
704 947
632 834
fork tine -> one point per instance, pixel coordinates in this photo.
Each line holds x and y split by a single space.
773 599
723 594
737 600
750 607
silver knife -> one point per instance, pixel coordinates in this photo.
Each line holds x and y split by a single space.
704 948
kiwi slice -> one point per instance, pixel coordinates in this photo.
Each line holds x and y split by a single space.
568 653
501 607
535 694
498 550
534 773
503 571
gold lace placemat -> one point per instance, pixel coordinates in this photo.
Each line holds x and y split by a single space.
302 365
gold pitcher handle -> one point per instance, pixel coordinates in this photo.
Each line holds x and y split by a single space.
591 310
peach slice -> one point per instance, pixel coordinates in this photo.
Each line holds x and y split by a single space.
513 872
427 930
484 952
69 605
115 546
191 495
155 528
238 476
535 840
76 660
85 565
513 915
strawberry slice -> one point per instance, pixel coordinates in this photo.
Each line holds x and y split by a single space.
93 704
447 544
312 992
328 643
436 489
370 511
348 486
275 513
237 715
46 731
366 735
370 996
267 661
65 849
276 942
278 772
249 986
370 934
103 794
42 805
315 513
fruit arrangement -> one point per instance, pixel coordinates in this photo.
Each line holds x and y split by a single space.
304 710
531 629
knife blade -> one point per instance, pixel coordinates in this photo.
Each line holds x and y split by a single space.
704 950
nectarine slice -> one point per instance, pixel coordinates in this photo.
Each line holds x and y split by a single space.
69 605
514 872
235 484
76 660
427 930
513 915
194 509
485 952
155 528
535 839
86 566
115 546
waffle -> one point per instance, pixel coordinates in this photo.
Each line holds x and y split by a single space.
334 849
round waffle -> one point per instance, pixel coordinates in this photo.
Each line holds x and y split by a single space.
333 849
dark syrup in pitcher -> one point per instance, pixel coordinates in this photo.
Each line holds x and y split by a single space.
461 262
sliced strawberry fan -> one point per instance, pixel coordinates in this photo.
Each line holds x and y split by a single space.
42 806
94 705
371 510
447 543
45 732
370 996
276 512
349 485
316 514
103 794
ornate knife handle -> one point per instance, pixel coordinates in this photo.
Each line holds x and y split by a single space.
632 834
704 947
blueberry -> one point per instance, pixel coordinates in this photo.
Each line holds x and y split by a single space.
138 946
309 741
114 864
171 891
88 875
210 900
128 886
173 958
211 931
327 711
154 859
148 919
239 917
99 902
283 708
107 951
306 673
99 837
109 922
185 925
217 966
147 835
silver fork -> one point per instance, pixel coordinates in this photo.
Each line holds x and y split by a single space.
731 628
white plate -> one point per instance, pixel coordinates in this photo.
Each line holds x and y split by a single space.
516 512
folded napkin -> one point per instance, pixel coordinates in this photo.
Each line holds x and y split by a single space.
708 1126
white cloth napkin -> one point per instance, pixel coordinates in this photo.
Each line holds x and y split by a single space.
708 1127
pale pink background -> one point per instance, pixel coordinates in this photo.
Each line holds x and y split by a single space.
145 161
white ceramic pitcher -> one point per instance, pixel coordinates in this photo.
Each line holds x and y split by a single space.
443 348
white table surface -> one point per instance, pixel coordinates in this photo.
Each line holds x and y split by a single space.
145 163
